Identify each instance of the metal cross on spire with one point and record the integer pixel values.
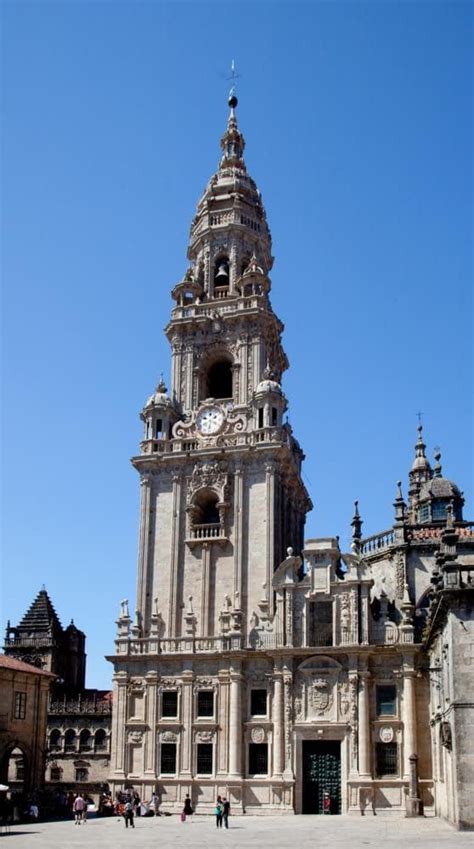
(233, 77)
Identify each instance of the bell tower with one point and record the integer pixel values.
(222, 495)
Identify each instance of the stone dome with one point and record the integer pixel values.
(268, 385)
(439, 487)
(160, 398)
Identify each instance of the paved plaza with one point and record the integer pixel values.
(303, 832)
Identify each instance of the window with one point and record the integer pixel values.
(54, 739)
(320, 623)
(258, 702)
(260, 417)
(100, 740)
(424, 513)
(20, 769)
(85, 740)
(20, 706)
(169, 706)
(386, 759)
(55, 773)
(70, 740)
(386, 700)
(258, 759)
(168, 758)
(204, 759)
(159, 428)
(274, 416)
(219, 380)
(439, 509)
(205, 703)
(82, 774)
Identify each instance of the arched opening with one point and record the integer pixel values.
(70, 740)
(85, 740)
(207, 511)
(221, 274)
(217, 381)
(54, 740)
(16, 768)
(100, 740)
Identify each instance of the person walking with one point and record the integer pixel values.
(128, 814)
(225, 811)
(218, 810)
(78, 808)
(188, 808)
(327, 803)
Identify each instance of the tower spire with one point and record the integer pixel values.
(420, 472)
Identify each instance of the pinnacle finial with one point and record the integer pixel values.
(161, 384)
(233, 101)
(437, 468)
(356, 525)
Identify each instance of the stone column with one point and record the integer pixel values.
(364, 725)
(205, 589)
(176, 370)
(409, 719)
(243, 396)
(143, 588)
(277, 718)
(119, 717)
(173, 614)
(185, 767)
(235, 722)
(270, 532)
(238, 535)
(365, 614)
(288, 711)
(189, 379)
(149, 759)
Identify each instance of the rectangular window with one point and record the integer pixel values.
(320, 623)
(169, 706)
(386, 759)
(274, 416)
(159, 428)
(258, 702)
(204, 758)
(260, 417)
(168, 758)
(258, 759)
(205, 703)
(386, 700)
(82, 774)
(20, 706)
(55, 773)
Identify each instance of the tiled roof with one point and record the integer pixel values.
(18, 666)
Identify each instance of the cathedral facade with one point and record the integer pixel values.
(277, 672)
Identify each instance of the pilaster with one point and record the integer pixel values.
(175, 546)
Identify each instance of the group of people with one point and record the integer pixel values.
(222, 811)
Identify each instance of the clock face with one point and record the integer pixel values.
(210, 420)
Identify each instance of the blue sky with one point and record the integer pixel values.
(357, 118)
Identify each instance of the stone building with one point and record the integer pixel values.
(23, 713)
(77, 737)
(257, 665)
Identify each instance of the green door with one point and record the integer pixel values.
(321, 774)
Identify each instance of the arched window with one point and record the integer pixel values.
(54, 739)
(85, 740)
(219, 380)
(100, 740)
(82, 774)
(70, 740)
(207, 511)
(221, 272)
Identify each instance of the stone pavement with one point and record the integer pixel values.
(304, 832)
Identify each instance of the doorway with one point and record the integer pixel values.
(321, 774)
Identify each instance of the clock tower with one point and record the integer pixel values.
(222, 500)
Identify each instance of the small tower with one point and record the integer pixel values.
(420, 473)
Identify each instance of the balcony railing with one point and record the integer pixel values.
(378, 542)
